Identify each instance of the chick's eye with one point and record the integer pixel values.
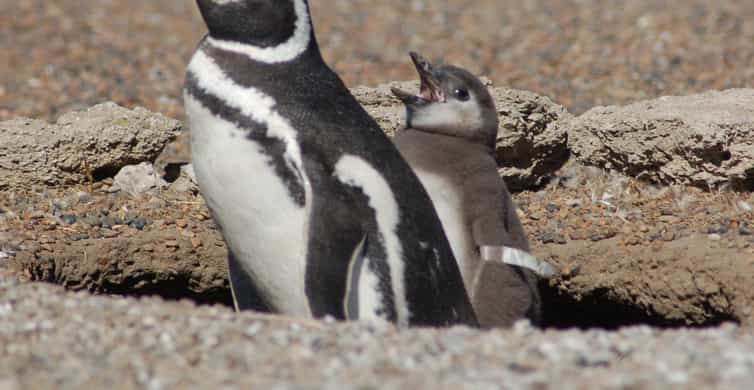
(461, 94)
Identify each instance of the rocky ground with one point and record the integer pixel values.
(50, 338)
(65, 55)
(676, 253)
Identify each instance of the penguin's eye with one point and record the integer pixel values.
(461, 94)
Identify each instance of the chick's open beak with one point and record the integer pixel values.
(429, 88)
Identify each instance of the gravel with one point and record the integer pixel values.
(51, 338)
(59, 55)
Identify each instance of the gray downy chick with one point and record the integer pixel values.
(449, 141)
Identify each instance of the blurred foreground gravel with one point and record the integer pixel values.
(50, 338)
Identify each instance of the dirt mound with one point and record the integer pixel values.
(630, 253)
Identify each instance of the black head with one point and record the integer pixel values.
(451, 101)
(262, 23)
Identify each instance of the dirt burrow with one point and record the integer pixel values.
(618, 269)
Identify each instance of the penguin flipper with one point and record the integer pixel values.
(245, 294)
(363, 299)
(353, 278)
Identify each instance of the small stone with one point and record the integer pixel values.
(139, 223)
(668, 236)
(60, 204)
(744, 231)
(602, 235)
(550, 237)
(551, 207)
(719, 229)
(181, 223)
(714, 237)
(573, 202)
(570, 271)
(84, 197)
(92, 220)
(536, 117)
(196, 242)
(68, 219)
(79, 236)
(108, 222)
(138, 179)
(171, 244)
(107, 233)
(667, 218)
(253, 329)
(155, 203)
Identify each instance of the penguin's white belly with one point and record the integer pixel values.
(262, 225)
(448, 201)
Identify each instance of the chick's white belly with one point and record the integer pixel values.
(261, 224)
(448, 202)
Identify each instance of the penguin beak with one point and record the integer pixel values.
(429, 88)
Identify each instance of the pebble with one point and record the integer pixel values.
(550, 237)
(84, 197)
(92, 220)
(139, 223)
(602, 235)
(714, 237)
(108, 233)
(667, 218)
(107, 222)
(68, 219)
(744, 206)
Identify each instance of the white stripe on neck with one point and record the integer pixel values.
(286, 51)
(250, 101)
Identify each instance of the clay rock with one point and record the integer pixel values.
(138, 179)
(705, 140)
(532, 141)
(82, 145)
(383, 106)
(186, 181)
(532, 138)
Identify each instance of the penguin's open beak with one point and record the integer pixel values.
(429, 88)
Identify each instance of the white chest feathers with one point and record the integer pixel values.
(448, 200)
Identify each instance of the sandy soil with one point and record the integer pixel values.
(642, 254)
(630, 253)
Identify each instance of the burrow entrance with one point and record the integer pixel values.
(598, 310)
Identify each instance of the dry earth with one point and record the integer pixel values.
(631, 253)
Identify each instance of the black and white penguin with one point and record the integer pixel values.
(320, 213)
(449, 141)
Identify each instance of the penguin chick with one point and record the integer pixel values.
(449, 142)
